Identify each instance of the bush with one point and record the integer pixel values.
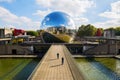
(32, 33)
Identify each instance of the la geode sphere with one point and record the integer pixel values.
(58, 28)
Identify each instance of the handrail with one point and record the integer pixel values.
(72, 65)
(30, 77)
(69, 66)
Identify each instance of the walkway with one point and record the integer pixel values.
(51, 68)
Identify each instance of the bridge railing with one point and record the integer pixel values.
(32, 74)
(72, 65)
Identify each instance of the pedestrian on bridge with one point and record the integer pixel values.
(57, 55)
(62, 59)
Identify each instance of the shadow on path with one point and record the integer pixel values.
(56, 65)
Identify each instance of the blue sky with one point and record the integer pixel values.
(28, 14)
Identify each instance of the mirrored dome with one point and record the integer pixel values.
(57, 19)
(61, 27)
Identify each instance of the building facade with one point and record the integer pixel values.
(5, 33)
(109, 33)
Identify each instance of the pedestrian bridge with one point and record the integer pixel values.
(51, 68)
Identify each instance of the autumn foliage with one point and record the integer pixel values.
(99, 32)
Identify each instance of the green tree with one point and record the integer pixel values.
(86, 30)
(40, 32)
(111, 28)
(117, 31)
(32, 33)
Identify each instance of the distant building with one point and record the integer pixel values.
(109, 33)
(51, 29)
(57, 30)
(5, 33)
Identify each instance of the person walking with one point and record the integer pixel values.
(62, 59)
(57, 55)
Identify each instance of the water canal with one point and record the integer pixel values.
(99, 68)
(91, 68)
(17, 68)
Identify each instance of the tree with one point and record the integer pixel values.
(32, 33)
(99, 32)
(117, 31)
(40, 32)
(86, 30)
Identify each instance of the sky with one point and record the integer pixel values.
(28, 14)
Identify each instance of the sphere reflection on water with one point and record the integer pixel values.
(60, 25)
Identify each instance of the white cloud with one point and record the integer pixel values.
(7, 26)
(25, 19)
(11, 19)
(42, 14)
(113, 16)
(7, 16)
(9, 1)
(107, 24)
(73, 7)
(114, 13)
(116, 7)
(81, 20)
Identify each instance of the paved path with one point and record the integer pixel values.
(51, 67)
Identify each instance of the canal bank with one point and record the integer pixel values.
(16, 68)
(99, 68)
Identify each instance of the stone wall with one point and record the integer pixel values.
(105, 49)
(9, 49)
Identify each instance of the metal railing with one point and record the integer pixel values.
(72, 65)
(32, 74)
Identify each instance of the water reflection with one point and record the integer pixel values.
(99, 68)
(118, 67)
(17, 68)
